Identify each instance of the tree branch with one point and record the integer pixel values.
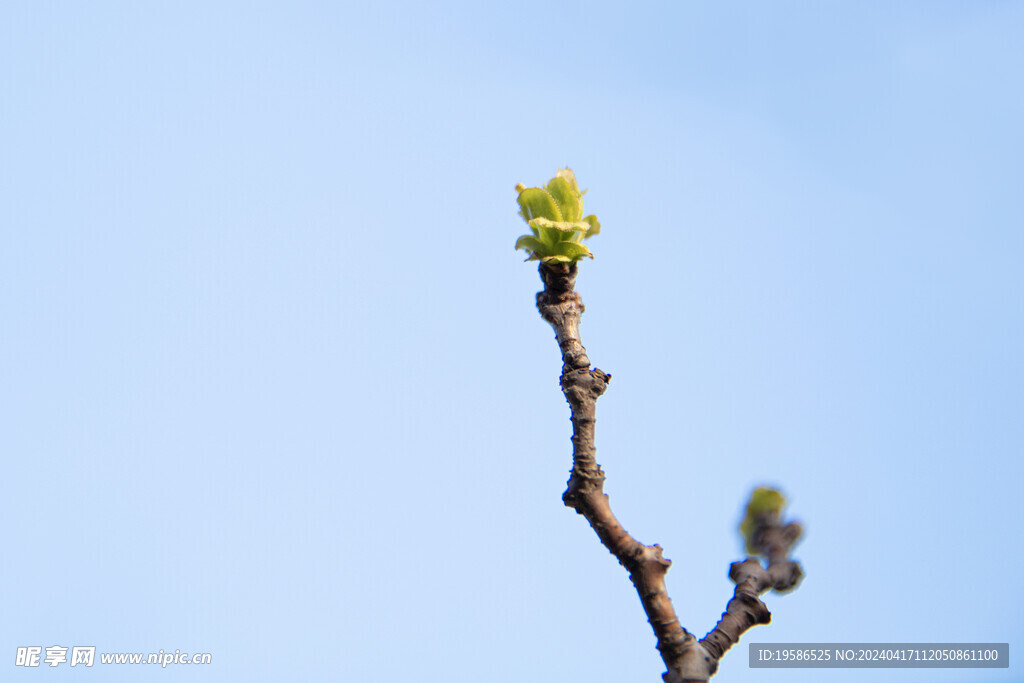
(746, 609)
(687, 659)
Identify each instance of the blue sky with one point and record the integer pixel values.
(273, 386)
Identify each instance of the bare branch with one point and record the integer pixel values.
(687, 659)
(562, 307)
(746, 609)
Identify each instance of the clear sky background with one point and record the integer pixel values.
(273, 386)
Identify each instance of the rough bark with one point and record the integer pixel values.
(687, 659)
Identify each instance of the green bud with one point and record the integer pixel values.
(555, 216)
(763, 501)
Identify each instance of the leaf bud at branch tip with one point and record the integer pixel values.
(554, 213)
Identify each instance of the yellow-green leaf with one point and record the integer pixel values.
(566, 252)
(564, 226)
(570, 177)
(535, 202)
(530, 243)
(567, 198)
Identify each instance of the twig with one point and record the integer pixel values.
(687, 659)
